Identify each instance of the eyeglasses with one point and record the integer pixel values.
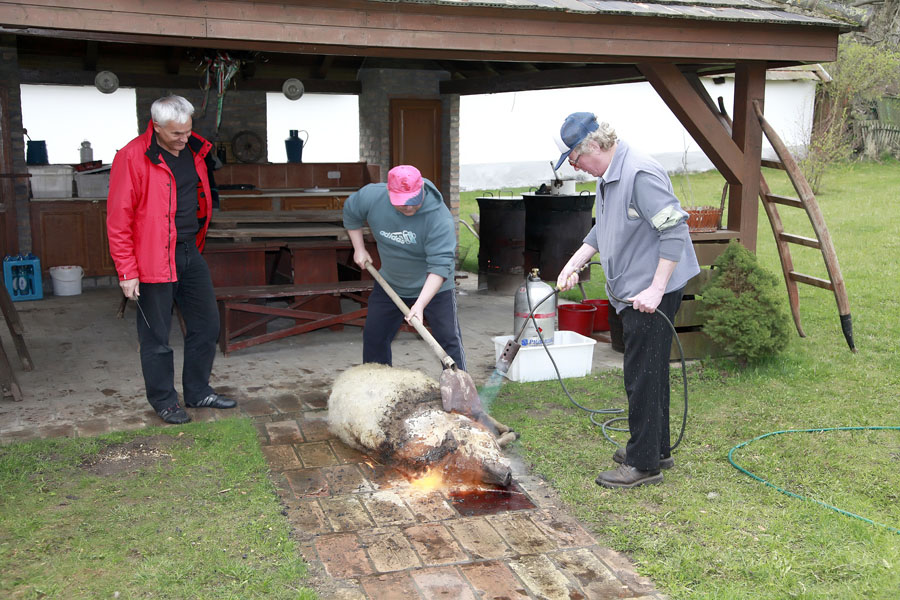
(574, 161)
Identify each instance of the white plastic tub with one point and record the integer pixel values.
(93, 184)
(51, 181)
(573, 353)
(66, 280)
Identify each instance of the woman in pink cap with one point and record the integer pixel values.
(416, 240)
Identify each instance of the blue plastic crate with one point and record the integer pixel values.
(22, 276)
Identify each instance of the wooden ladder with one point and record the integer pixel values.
(822, 241)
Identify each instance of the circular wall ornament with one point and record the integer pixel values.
(292, 88)
(247, 146)
(106, 81)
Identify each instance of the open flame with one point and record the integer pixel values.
(442, 477)
(429, 481)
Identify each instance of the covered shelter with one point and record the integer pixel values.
(409, 61)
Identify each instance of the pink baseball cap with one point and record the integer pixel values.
(405, 186)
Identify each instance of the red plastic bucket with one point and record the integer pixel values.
(601, 317)
(577, 317)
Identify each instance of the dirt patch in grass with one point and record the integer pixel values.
(542, 413)
(130, 457)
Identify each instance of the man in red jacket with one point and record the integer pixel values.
(158, 211)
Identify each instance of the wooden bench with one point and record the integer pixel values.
(245, 300)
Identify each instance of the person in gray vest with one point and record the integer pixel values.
(642, 238)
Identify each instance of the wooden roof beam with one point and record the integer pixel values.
(173, 60)
(91, 55)
(324, 66)
(541, 80)
(694, 113)
(451, 68)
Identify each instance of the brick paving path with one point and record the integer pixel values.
(369, 534)
(366, 532)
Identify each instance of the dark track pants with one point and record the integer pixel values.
(648, 342)
(384, 319)
(193, 292)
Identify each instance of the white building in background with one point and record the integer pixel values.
(506, 140)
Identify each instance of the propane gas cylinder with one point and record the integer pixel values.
(528, 295)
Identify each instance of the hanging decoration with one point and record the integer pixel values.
(218, 71)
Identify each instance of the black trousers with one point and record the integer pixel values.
(194, 294)
(648, 343)
(384, 319)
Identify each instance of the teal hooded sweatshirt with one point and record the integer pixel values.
(410, 247)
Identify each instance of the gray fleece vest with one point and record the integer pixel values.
(626, 240)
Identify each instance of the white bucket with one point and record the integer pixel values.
(66, 280)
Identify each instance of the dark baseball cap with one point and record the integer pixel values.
(574, 129)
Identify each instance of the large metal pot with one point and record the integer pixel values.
(555, 226)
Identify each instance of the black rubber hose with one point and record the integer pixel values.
(607, 425)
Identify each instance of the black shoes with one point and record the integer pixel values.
(174, 415)
(627, 477)
(214, 401)
(664, 462)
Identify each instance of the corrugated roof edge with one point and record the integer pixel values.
(816, 12)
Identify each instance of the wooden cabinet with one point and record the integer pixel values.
(71, 232)
(107, 266)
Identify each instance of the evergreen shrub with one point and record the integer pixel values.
(742, 310)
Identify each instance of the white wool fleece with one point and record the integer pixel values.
(361, 397)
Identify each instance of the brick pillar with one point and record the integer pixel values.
(378, 87)
(241, 111)
(9, 75)
(450, 150)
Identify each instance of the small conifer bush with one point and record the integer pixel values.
(742, 310)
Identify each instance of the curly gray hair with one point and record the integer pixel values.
(604, 136)
(171, 109)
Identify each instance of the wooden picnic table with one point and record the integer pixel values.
(225, 219)
(247, 226)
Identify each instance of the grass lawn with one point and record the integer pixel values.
(710, 531)
(185, 512)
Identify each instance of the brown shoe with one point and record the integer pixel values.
(664, 462)
(627, 477)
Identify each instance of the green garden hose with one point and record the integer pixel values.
(798, 496)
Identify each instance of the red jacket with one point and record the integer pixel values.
(140, 219)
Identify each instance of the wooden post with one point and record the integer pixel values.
(749, 85)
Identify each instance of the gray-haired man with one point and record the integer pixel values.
(158, 211)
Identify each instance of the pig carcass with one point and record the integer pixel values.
(396, 416)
